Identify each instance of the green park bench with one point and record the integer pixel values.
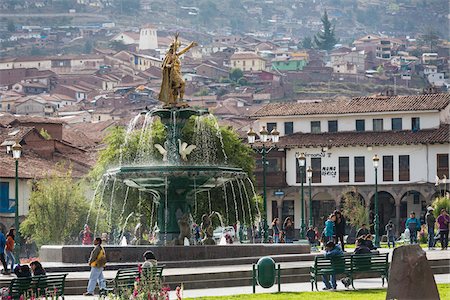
(370, 263)
(125, 279)
(327, 266)
(38, 286)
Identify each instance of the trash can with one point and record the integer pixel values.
(266, 272)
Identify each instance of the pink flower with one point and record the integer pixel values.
(140, 268)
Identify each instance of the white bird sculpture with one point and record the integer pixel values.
(162, 150)
(185, 150)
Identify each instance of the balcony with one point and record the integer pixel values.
(273, 179)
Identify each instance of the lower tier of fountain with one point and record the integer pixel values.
(120, 254)
(175, 188)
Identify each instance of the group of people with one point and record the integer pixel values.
(7, 251)
(284, 234)
(443, 224)
(334, 229)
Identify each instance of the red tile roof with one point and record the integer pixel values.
(369, 138)
(357, 105)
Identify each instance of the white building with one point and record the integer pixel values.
(148, 38)
(410, 135)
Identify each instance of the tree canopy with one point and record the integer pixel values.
(326, 38)
(58, 209)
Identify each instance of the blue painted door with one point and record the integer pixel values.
(4, 196)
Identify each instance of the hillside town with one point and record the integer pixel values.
(335, 96)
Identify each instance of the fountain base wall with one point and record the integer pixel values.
(117, 254)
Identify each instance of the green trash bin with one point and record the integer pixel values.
(264, 273)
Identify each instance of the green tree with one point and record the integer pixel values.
(35, 51)
(325, 39)
(236, 74)
(439, 203)
(58, 209)
(117, 45)
(354, 209)
(307, 43)
(11, 26)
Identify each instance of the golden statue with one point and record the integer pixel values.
(172, 86)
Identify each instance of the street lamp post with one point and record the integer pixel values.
(301, 163)
(264, 138)
(376, 161)
(17, 152)
(310, 172)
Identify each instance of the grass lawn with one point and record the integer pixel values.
(374, 294)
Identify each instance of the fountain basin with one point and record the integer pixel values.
(116, 254)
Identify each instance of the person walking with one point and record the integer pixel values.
(2, 253)
(276, 231)
(332, 250)
(329, 230)
(9, 249)
(97, 262)
(443, 220)
(390, 232)
(288, 228)
(413, 224)
(340, 229)
(430, 220)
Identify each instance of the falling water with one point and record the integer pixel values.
(255, 196)
(140, 216)
(151, 214)
(111, 204)
(209, 202)
(145, 147)
(242, 201)
(122, 232)
(93, 200)
(130, 128)
(195, 196)
(124, 205)
(100, 205)
(235, 202)
(249, 209)
(166, 209)
(219, 136)
(225, 198)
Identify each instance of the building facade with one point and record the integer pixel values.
(410, 135)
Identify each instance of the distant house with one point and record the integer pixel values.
(35, 106)
(436, 79)
(346, 61)
(248, 61)
(142, 62)
(211, 71)
(127, 38)
(289, 63)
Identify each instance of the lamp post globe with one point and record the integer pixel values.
(264, 135)
(251, 136)
(275, 135)
(376, 161)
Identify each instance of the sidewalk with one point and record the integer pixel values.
(360, 284)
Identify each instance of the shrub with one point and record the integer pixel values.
(440, 203)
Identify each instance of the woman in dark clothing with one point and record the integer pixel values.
(37, 268)
(340, 228)
(288, 229)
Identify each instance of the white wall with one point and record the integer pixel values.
(422, 162)
(348, 122)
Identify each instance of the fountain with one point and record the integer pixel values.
(173, 170)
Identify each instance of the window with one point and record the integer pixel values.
(377, 124)
(403, 167)
(388, 168)
(315, 126)
(344, 169)
(287, 211)
(360, 125)
(316, 165)
(442, 165)
(4, 196)
(274, 210)
(415, 124)
(332, 126)
(288, 128)
(271, 126)
(360, 169)
(396, 124)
